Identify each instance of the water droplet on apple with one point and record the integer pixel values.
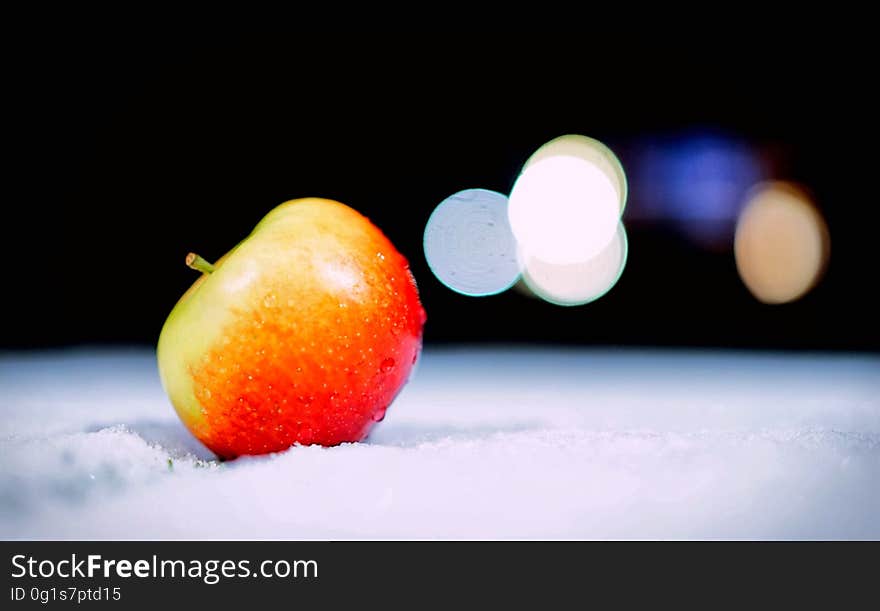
(379, 415)
(387, 365)
(270, 301)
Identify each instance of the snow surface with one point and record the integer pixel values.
(513, 443)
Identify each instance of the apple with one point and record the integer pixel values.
(305, 332)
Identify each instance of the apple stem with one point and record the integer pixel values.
(195, 262)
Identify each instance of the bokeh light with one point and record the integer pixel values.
(559, 236)
(696, 182)
(590, 150)
(469, 244)
(577, 283)
(523, 289)
(782, 243)
(563, 209)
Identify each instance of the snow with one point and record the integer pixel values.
(482, 444)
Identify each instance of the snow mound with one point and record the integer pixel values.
(482, 444)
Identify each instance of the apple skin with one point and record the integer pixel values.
(303, 333)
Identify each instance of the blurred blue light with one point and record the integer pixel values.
(697, 181)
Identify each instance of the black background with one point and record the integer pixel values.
(129, 150)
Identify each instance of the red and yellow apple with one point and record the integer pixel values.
(303, 333)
